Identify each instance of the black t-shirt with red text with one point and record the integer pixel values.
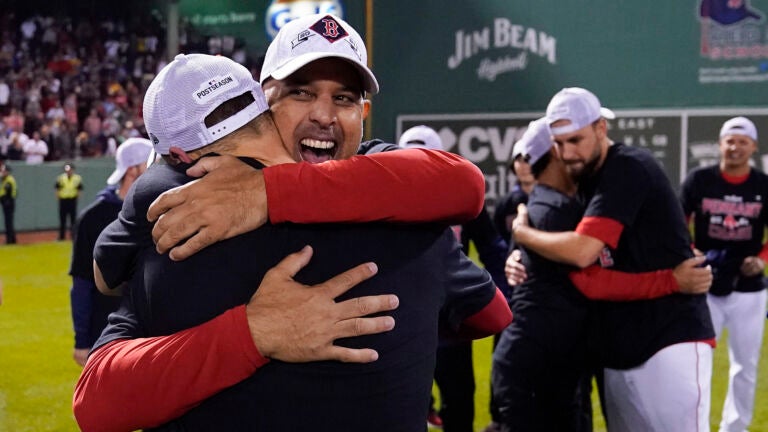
(729, 223)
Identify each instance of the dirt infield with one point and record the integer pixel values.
(29, 237)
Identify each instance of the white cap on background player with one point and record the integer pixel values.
(133, 151)
(535, 142)
(188, 89)
(739, 126)
(577, 105)
(421, 137)
(314, 37)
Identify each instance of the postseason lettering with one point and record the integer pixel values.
(213, 85)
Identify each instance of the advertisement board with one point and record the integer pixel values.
(680, 140)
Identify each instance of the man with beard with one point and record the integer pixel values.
(656, 350)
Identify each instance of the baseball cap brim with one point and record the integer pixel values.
(284, 71)
(116, 176)
(606, 113)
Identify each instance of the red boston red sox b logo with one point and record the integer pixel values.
(330, 29)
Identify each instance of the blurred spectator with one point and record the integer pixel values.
(57, 70)
(70, 109)
(65, 142)
(35, 149)
(15, 149)
(56, 112)
(92, 127)
(46, 135)
(129, 131)
(5, 96)
(14, 122)
(82, 145)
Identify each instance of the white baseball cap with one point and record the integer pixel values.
(422, 137)
(313, 37)
(189, 88)
(580, 106)
(535, 142)
(739, 126)
(133, 151)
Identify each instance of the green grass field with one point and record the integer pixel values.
(37, 373)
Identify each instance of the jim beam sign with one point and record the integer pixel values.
(500, 48)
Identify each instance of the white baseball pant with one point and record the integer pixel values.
(743, 314)
(670, 392)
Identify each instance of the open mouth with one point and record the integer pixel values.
(316, 151)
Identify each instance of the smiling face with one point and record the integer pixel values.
(319, 110)
(735, 152)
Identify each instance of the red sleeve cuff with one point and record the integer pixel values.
(604, 229)
(490, 320)
(131, 384)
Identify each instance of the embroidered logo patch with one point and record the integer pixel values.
(330, 29)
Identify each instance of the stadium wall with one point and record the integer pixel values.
(36, 204)
(478, 72)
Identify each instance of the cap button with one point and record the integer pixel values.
(182, 58)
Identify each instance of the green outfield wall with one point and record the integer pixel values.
(478, 71)
(36, 204)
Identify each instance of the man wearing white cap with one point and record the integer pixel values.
(209, 290)
(300, 78)
(656, 352)
(89, 307)
(550, 332)
(730, 218)
(540, 359)
(421, 136)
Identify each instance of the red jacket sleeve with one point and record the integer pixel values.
(490, 320)
(410, 185)
(597, 283)
(604, 229)
(130, 384)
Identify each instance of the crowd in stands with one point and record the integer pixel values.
(73, 87)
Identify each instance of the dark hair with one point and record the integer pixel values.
(512, 163)
(229, 108)
(224, 111)
(541, 164)
(536, 168)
